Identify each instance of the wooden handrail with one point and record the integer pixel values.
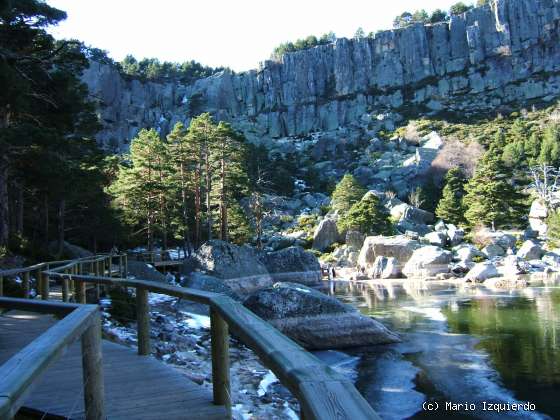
(321, 391)
(18, 374)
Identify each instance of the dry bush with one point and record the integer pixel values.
(456, 153)
(479, 236)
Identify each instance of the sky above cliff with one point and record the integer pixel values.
(237, 34)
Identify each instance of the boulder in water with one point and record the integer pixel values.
(384, 268)
(292, 264)
(530, 250)
(398, 247)
(482, 271)
(427, 261)
(315, 320)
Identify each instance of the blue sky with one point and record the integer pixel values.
(234, 33)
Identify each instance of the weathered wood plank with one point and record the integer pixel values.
(143, 321)
(220, 360)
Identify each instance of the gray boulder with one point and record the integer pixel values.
(315, 320)
(69, 250)
(427, 261)
(384, 268)
(325, 234)
(481, 272)
(512, 265)
(417, 216)
(292, 264)
(208, 283)
(455, 235)
(493, 250)
(143, 271)
(537, 217)
(530, 250)
(552, 259)
(436, 238)
(398, 247)
(466, 252)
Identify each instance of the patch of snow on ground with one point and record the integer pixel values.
(155, 298)
(197, 321)
(239, 412)
(290, 413)
(266, 381)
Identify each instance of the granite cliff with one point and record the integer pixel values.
(500, 56)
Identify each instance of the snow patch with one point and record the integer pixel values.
(266, 381)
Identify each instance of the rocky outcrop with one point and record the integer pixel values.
(325, 234)
(208, 283)
(238, 266)
(489, 58)
(315, 320)
(292, 264)
(530, 250)
(537, 217)
(427, 261)
(385, 268)
(400, 248)
(143, 271)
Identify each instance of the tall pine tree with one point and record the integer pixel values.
(450, 207)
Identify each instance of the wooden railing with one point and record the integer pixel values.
(321, 391)
(18, 374)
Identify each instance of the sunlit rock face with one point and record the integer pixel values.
(489, 58)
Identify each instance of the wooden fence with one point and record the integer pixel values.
(322, 392)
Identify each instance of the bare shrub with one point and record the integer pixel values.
(456, 154)
(480, 237)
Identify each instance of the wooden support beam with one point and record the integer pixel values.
(143, 321)
(46, 286)
(1, 286)
(92, 365)
(220, 360)
(65, 288)
(25, 285)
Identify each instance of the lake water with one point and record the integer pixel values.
(470, 346)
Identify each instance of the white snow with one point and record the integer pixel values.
(197, 321)
(266, 381)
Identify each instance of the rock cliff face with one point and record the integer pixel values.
(491, 57)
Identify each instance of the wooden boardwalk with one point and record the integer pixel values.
(136, 387)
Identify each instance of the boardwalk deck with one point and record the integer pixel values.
(136, 387)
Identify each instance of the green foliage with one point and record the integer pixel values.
(346, 193)
(419, 16)
(153, 70)
(459, 8)
(553, 232)
(550, 147)
(303, 44)
(240, 231)
(366, 216)
(492, 199)
(450, 207)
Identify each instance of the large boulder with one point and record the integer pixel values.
(69, 250)
(325, 234)
(398, 247)
(530, 250)
(500, 238)
(417, 216)
(512, 265)
(315, 320)
(238, 265)
(493, 251)
(355, 239)
(481, 272)
(384, 268)
(201, 281)
(436, 238)
(292, 264)
(144, 271)
(455, 235)
(537, 217)
(427, 261)
(467, 252)
(552, 259)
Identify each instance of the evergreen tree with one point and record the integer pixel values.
(346, 193)
(553, 232)
(450, 207)
(550, 147)
(239, 228)
(491, 197)
(532, 148)
(366, 216)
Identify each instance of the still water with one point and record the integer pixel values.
(472, 346)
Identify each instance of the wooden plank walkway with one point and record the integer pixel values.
(136, 387)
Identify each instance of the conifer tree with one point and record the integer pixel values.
(550, 147)
(450, 207)
(366, 216)
(492, 199)
(346, 193)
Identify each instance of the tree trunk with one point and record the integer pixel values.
(4, 207)
(184, 209)
(61, 215)
(46, 210)
(208, 191)
(197, 205)
(223, 204)
(19, 214)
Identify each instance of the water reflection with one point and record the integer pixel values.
(472, 344)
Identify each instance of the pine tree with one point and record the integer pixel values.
(533, 148)
(491, 197)
(366, 216)
(553, 231)
(550, 147)
(346, 193)
(450, 207)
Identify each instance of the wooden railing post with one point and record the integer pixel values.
(121, 272)
(39, 282)
(1, 286)
(26, 285)
(125, 266)
(220, 360)
(92, 365)
(46, 286)
(143, 321)
(65, 287)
